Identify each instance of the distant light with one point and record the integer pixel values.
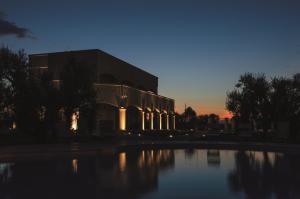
(171, 136)
(203, 135)
(139, 135)
(186, 134)
(129, 133)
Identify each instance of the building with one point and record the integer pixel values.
(127, 97)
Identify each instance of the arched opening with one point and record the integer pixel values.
(133, 118)
(164, 120)
(148, 119)
(106, 118)
(156, 120)
(172, 121)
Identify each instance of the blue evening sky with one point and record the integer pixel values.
(198, 49)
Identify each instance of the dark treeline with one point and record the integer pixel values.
(31, 103)
(34, 105)
(189, 120)
(268, 106)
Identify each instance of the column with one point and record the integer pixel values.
(122, 119)
(174, 119)
(151, 120)
(160, 121)
(167, 121)
(142, 120)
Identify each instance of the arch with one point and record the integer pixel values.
(106, 118)
(156, 119)
(148, 119)
(133, 118)
(164, 120)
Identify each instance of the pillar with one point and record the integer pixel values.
(151, 120)
(142, 120)
(167, 121)
(122, 119)
(160, 122)
(174, 125)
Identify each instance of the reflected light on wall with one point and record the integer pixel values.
(14, 126)
(75, 166)
(122, 119)
(143, 120)
(122, 161)
(160, 121)
(74, 121)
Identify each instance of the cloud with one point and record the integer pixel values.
(10, 28)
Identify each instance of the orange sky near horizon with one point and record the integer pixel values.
(202, 109)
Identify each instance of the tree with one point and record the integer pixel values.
(77, 89)
(190, 117)
(18, 89)
(50, 103)
(250, 100)
(282, 99)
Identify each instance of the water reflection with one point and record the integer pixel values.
(156, 173)
(127, 174)
(5, 172)
(266, 175)
(213, 158)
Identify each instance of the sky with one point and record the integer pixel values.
(197, 49)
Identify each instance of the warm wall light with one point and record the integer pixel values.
(174, 124)
(122, 119)
(160, 121)
(143, 120)
(167, 124)
(74, 121)
(151, 120)
(122, 161)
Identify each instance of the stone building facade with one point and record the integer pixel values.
(127, 97)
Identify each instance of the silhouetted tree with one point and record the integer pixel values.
(18, 89)
(213, 118)
(50, 103)
(251, 99)
(190, 117)
(203, 122)
(77, 88)
(263, 176)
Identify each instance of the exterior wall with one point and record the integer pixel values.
(124, 96)
(128, 86)
(144, 110)
(104, 64)
(126, 73)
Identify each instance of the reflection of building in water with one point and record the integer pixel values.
(122, 161)
(5, 171)
(213, 158)
(75, 166)
(135, 173)
(265, 175)
(128, 174)
(260, 156)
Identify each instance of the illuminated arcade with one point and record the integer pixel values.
(127, 97)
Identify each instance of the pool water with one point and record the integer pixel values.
(157, 173)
